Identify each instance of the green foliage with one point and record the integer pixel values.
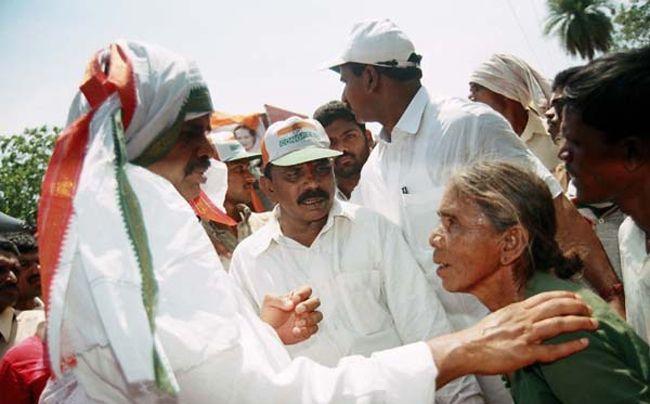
(583, 26)
(632, 22)
(23, 160)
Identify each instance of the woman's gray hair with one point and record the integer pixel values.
(509, 195)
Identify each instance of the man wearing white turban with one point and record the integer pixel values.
(138, 307)
(521, 94)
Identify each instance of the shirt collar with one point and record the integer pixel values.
(273, 232)
(6, 322)
(410, 120)
(533, 126)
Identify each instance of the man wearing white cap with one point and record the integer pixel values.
(423, 141)
(227, 234)
(521, 94)
(374, 295)
(140, 310)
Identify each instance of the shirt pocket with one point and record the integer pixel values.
(419, 219)
(359, 296)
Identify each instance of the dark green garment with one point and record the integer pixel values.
(615, 368)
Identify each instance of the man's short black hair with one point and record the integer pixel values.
(25, 242)
(395, 73)
(563, 77)
(7, 246)
(335, 110)
(612, 93)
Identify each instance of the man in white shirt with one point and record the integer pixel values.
(141, 310)
(521, 94)
(424, 140)
(373, 293)
(607, 154)
(350, 138)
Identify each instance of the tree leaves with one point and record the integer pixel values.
(632, 25)
(583, 26)
(23, 160)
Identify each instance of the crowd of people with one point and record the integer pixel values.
(490, 250)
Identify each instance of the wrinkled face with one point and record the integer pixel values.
(186, 163)
(240, 182)
(305, 191)
(466, 244)
(245, 138)
(348, 138)
(29, 278)
(554, 114)
(355, 94)
(8, 282)
(478, 93)
(597, 173)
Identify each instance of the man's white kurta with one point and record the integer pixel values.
(405, 176)
(217, 347)
(635, 265)
(374, 295)
(539, 142)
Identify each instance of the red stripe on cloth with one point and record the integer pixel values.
(62, 176)
(206, 210)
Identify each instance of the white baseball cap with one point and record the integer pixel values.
(228, 148)
(295, 141)
(379, 43)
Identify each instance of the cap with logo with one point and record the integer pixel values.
(295, 141)
(379, 43)
(228, 148)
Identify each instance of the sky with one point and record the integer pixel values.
(253, 52)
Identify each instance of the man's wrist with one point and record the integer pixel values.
(613, 292)
(451, 355)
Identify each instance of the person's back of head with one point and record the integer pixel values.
(562, 78)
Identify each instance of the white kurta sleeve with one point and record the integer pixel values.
(244, 375)
(416, 310)
(492, 137)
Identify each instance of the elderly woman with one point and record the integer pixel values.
(497, 241)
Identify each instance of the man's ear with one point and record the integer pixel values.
(635, 152)
(369, 140)
(514, 242)
(266, 185)
(370, 79)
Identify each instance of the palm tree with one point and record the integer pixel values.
(584, 27)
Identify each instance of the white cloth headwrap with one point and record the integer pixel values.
(98, 233)
(515, 79)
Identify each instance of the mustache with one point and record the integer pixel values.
(313, 193)
(345, 153)
(201, 163)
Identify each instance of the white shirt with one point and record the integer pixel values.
(406, 172)
(218, 348)
(539, 141)
(373, 294)
(635, 264)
